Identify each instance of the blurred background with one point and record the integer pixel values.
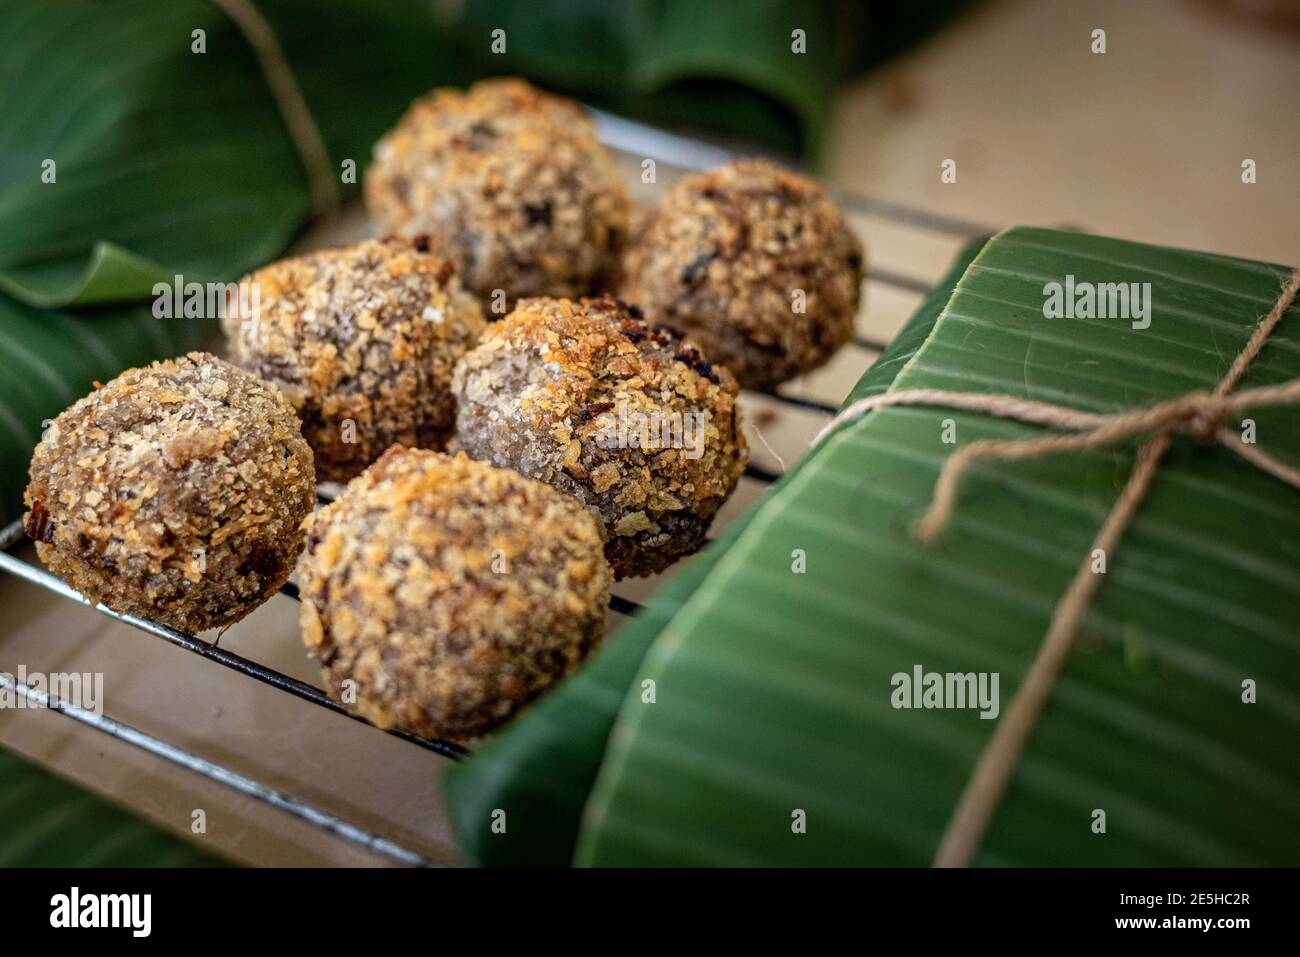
(191, 172)
(1145, 140)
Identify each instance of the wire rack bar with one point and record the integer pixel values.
(620, 133)
(624, 606)
(802, 403)
(219, 773)
(16, 566)
(28, 572)
(898, 280)
(11, 534)
(760, 474)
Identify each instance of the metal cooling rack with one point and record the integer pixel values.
(625, 136)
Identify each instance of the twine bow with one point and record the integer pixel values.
(1201, 414)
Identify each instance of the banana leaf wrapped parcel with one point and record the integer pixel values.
(824, 687)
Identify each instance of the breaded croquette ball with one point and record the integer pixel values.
(362, 340)
(452, 593)
(174, 493)
(753, 262)
(630, 420)
(509, 183)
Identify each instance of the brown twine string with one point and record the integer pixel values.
(293, 107)
(1200, 413)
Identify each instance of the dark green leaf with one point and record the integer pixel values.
(172, 162)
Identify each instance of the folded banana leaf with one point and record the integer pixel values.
(779, 733)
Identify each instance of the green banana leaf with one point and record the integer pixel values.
(46, 821)
(541, 769)
(774, 688)
(169, 161)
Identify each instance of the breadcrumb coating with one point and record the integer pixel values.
(509, 183)
(452, 593)
(362, 340)
(727, 256)
(586, 397)
(175, 493)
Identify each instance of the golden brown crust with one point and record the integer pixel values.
(722, 256)
(174, 492)
(545, 391)
(451, 593)
(362, 341)
(509, 183)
